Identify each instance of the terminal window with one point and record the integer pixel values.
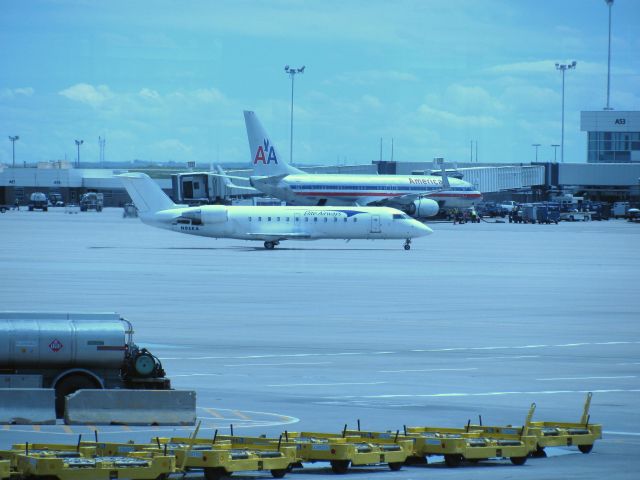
(612, 147)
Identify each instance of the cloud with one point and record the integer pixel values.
(173, 146)
(147, 93)
(371, 102)
(88, 94)
(12, 93)
(456, 120)
(368, 77)
(548, 66)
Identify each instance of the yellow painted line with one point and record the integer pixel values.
(91, 428)
(126, 428)
(6, 427)
(213, 412)
(67, 429)
(241, 415)
(36, 428)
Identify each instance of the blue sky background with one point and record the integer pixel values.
(167, 80)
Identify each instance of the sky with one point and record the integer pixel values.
(167, 80)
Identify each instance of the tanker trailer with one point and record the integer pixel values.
(74, 351)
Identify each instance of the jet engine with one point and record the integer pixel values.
(423, 208)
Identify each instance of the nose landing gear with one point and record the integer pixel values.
(270, 245)
(407, 244)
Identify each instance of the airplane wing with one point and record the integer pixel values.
(229, 184)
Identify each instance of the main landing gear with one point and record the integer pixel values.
(270, 245)
(407, 244)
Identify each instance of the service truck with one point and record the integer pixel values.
(74, 351)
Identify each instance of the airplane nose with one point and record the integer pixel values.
(421, 229)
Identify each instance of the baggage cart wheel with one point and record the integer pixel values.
(395, 466)
(518, 460)
(417, 460)
(340, 466)
(214, 473)
(585, 448)
(278, 472)
(452, 460)
(539, 452)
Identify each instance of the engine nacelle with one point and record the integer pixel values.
(423, 208)
(214, 214)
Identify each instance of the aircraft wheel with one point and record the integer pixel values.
(269, 245)
(407, 246)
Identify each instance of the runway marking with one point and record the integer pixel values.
(630, 434)
(126, 428)
(6, 427)
(583, 378)
(276, 364)
(198, 375)
(420, 350)
(481, 394)
(36, 428)
(326, 384)
(241, 415)
(629, 363)
(506, 357)
(429, 370)
(213, 412)
(67, 429)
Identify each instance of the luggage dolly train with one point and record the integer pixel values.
(224, 455)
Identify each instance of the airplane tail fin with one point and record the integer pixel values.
(265, 159)
(146, 194)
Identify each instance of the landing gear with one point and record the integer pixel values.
(270, 245)
(407, 244)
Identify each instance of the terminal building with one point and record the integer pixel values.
(612, 136)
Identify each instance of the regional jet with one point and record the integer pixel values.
(270, 224)
(420, 196)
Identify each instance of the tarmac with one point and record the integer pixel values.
(476, 319)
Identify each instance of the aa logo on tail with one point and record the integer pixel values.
(265, 155)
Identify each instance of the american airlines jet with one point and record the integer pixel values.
(420, 196)
(269, 224)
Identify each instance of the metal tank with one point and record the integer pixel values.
(54, 340)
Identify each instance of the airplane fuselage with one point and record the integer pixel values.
(347, 189)
(296, 223)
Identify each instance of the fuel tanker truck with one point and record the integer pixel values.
(72, 351)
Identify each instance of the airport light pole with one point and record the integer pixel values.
(292, 72)
(536, 145)
(563, 68)
(610, 4)
(13, 148)
(555, 151)
(78, 143)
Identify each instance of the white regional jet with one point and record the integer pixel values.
(420, 196)
(269, 224)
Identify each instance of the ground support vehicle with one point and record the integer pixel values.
(580, 434)
(220, 457)
(633, 215)
(71, 208)
(5, 469)
(44, 466)
(342, 450)
(575, 216)
(92, 201)
(129, 211)
(74, 351)
(38, 201)
(548, 213)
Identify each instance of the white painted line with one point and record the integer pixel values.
(583, 378)
(275, 364)
(198, 375)
(429, 370)
(481, 394)
(506, 357)
(630, 434)
(326, 384)
(431, 350)
(629, 363)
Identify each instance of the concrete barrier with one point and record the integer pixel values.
(131, 407)
(25, 406)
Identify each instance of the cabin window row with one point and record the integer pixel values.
(306, 219)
